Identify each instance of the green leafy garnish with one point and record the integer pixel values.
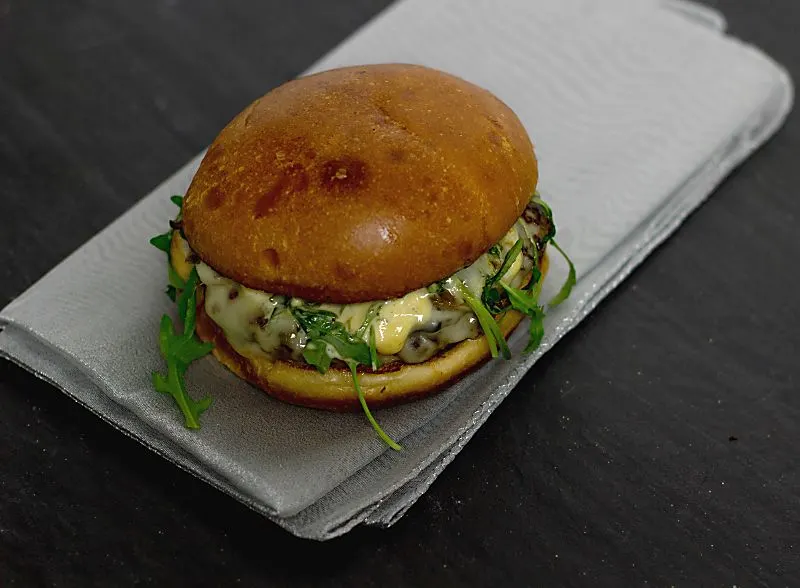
(538, 200)
(434, 288)
(373, 311)
(316, 353)
(323, 329)
(321, 325)
(494, 336)
(526, 302)
(386, 439)
(491, 295)
(566, 289)
(368, 318)
(545, 209)
(536, 330)
(162, 241)
(373, 350)
(179, 350)
(508, 261)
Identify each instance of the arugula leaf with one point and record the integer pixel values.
(566, 289)
(323, 329)
(508, 261)
(322, 325)
(386, 439)
(313, 320)
(316, 353)
(374, 360)
(544, 210)
(544, 206)
(535, 282)
(534, 286)
(368, 318)
(490, 328)
(435, 288)
(175, 382)
(536, 273)
(162, 241)
(180, 350)
(526, 302)
(373, 311)
(536, 330)
(490, 295)
(185, 309)
(492, 300)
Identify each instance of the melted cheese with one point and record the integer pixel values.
(506, 244)
(257, 323)
(352, 316)
(474, 276)
(237, 310)
(399, 318)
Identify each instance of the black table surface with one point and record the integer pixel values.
(657, 443)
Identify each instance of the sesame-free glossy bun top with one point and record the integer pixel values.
(358, 184)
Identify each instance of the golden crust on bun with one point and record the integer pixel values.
(360, 183)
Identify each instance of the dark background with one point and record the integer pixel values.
(658, 443)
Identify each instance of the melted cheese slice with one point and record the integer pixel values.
(399, 318)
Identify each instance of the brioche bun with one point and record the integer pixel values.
(361, 183)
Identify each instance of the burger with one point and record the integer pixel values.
(358, 238)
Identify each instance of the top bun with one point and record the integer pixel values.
(358, 184)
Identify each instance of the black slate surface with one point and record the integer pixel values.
(657, 444)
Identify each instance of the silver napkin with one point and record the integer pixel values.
(638, 109)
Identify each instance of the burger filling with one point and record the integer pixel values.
(410, 329)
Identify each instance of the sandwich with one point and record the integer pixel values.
(358, 238)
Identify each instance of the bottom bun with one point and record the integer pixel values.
(301, 384)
